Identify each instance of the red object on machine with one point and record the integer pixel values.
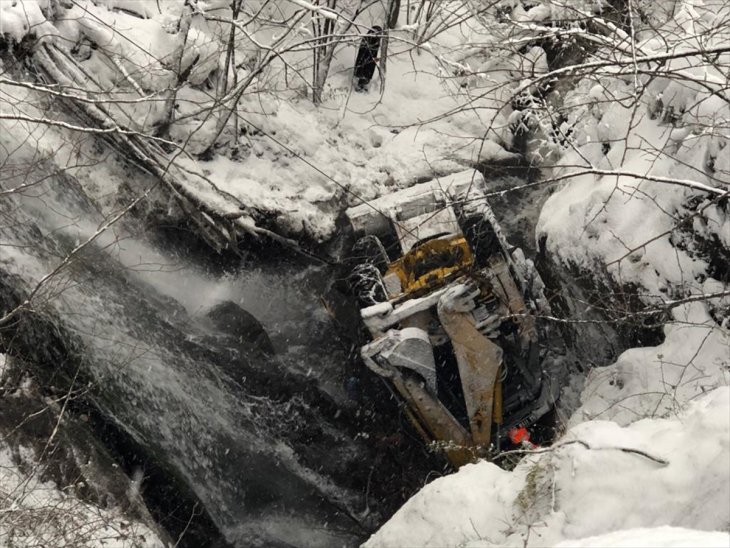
(520, 436)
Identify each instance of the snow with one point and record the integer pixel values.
(571, 492)
(302, 164)
(656, 381)
(625, 222)
(36, 513)
(17, 19)
(483, 494)
(666, 537)
(353, 147)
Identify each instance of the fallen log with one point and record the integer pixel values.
(222, 219)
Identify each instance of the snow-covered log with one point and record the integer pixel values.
(221, 217)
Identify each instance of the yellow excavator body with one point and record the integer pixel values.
(428, 266)
(457, 287)
(431, 264)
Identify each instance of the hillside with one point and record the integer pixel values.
(602, 132)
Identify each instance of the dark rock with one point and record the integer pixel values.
(233, 320)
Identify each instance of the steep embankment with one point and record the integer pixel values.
(628, 238)
(641, 227)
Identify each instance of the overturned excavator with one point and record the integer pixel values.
(451, 312)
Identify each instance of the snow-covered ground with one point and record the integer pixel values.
(646, 458)
(600, 478)
(35, 512)
(298, 162)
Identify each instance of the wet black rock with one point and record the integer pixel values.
(233, 320)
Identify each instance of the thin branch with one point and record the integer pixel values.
(630, 450)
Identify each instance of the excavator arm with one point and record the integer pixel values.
(477, 357)
(405, 357)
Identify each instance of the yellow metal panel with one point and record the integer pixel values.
(431, 263)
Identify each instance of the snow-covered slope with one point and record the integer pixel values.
(674, 537)
(646, 461)
(643, 204)
(600, 478)
(297, 162)
(37, 513)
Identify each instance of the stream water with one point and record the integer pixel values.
(266, 443)
(272, 446)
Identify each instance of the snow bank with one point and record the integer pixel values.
(666, 537)
(665, 145)
(17, 19)
(626, 222)
(37, 513)
(656, 381)
(573, 492)
(449, 511)
(297, 162)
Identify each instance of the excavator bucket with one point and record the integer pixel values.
(405, 358)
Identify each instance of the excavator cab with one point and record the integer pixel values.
(449, 291)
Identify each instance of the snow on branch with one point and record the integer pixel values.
(688, 183)
(630, 450)
(325, 12)
(83, 129)
(631, 62)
